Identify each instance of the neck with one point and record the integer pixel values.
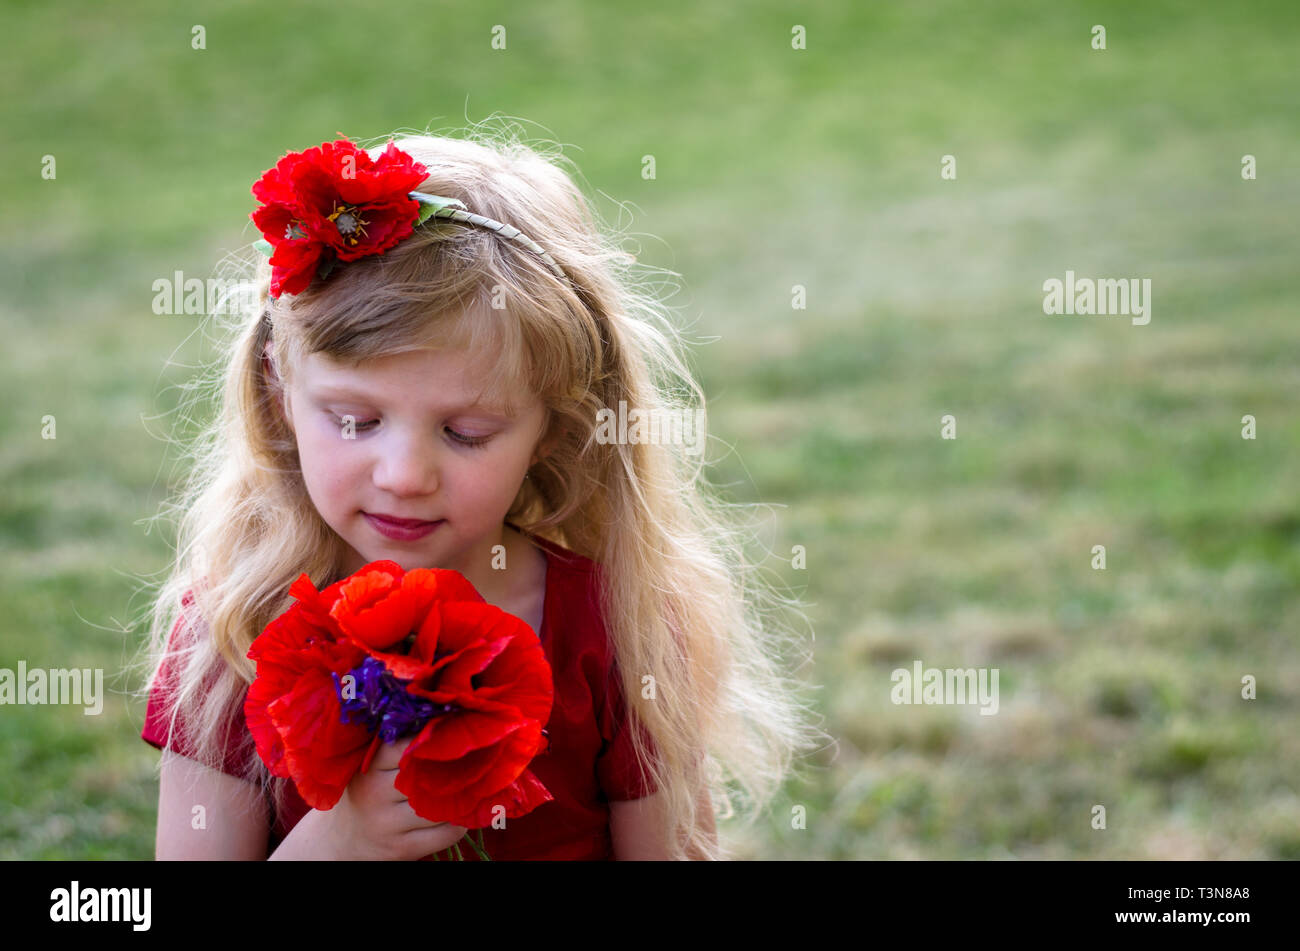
(476, 565)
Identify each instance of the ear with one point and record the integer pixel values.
(545, 446)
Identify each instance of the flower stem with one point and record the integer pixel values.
(478, 846)
(459, 857)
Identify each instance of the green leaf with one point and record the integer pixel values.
(326, 266)
(264, 246)
(430, 205)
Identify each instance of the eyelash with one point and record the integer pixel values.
(469, 442)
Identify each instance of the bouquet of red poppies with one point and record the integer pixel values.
(385, 654)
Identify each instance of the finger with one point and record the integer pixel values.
(411, 822)
(389, 755)
(430, 840)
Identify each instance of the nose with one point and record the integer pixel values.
(407, 466)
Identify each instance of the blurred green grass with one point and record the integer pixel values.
(774, 168)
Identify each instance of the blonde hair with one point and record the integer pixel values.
(682, 602)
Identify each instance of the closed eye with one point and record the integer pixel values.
(470, 442)
(359, 426)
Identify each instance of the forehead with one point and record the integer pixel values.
(424, 378)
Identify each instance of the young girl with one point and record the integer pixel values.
(431, 390)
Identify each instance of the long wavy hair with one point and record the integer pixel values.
(683, 601)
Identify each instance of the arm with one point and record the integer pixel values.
(235, 819)
(372, 820)
(638, 828)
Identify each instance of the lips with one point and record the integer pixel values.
(402, 522)
(404, 530)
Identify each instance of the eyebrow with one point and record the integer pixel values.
(344, 390)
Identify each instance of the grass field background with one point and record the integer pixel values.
(775, 167)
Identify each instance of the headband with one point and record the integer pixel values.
(333, 203)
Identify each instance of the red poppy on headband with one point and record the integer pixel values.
(385, 654)
(334, 203)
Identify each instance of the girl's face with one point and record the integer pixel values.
(423, 449)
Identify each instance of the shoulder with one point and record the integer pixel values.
(569, 560)
(187, 663)
(182, 641)
(189, 621)
(575, 600)
(570, 574)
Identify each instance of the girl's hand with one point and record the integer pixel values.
(373, 821)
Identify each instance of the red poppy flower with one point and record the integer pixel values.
(489, 666)
(334, 203)
(430, 657)
(295, 656)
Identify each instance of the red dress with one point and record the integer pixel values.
(590, 760)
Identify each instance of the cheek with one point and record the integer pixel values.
(330, 465)
(489, 482)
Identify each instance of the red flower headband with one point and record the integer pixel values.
(333, 203)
